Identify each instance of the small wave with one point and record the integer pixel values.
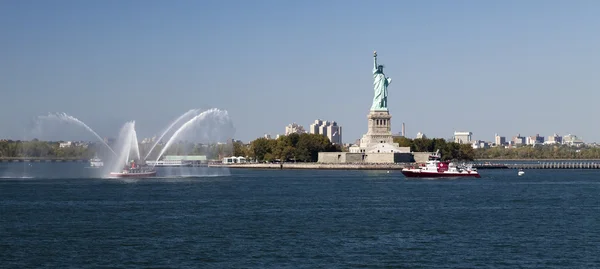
(18, 177)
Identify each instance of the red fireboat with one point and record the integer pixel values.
(435, 168)
(134, 170)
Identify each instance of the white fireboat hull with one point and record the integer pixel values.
(432, 174)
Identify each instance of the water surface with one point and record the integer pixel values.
(65, 216)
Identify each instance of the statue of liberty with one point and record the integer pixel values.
(380, 84)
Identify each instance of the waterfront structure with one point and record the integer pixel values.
(330, 129)
(377, 145)
(294, 128)
(234, 159)
(179, 160)
(463, 137)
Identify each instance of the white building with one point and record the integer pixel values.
(294, 129)
(463, 137)
(421, 135)
(572, 140)
(327, 128)
(479, 144)
(234, 159)
(65, 144)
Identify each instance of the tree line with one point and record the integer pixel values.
(297, 147)
(293, 147)
(43, 149)
(539, 152)
(448, 150)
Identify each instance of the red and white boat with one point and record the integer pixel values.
(135, 171)
(435, 168)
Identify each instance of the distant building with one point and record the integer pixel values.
(148, 140)
(553, 139)
(65, 144)
(499, 140)
(572, 140)
(294, 129)
(534, 140)
(234, 159)
(479, 144)
(518, 140)
(109, 141)
(421, 135)
(327, 128)
(267, 136)
(403, 130)
(463, 137)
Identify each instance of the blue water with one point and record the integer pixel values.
(298, 219)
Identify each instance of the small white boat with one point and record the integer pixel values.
(521, 172)
(96, 162)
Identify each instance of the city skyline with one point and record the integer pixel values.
(487, 67)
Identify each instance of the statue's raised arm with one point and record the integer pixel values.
(374, 61)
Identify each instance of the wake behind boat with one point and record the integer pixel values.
(435, 168)
(135, 171)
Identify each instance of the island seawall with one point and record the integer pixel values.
(336, 166)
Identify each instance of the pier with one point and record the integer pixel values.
(541, 165)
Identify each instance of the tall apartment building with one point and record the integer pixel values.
(499, 140)
(463, 137)
(327, 128)
(554, 139)
(294, 129)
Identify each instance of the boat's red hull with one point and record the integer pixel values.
(420, 174)
(134, 175)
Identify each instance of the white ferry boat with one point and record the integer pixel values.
(169, 163)
(96, 162)
(436, 168)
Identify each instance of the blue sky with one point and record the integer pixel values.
(488, 67)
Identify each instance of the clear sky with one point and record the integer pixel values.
(487, 67)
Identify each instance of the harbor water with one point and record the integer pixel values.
(63, 215)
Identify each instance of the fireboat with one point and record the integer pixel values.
(435, 168)
(134, 170)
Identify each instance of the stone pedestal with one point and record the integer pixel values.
(379, 129)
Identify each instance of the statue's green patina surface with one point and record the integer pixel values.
(380, 84)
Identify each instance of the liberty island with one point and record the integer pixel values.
(377, 145)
